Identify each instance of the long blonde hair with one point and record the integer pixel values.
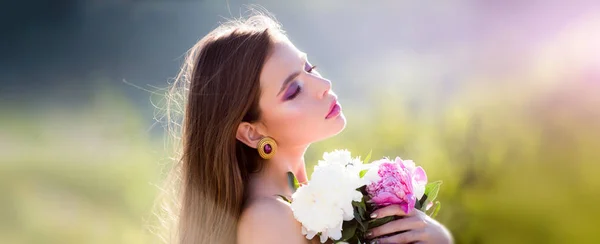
(217, 89)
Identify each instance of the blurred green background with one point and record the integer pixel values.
(499, 99)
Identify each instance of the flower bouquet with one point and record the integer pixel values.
(337, 202)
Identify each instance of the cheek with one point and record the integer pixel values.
(297, 123)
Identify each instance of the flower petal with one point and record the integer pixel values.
(420, 176)
(310, 234)
(335, 233)
(323, 238)
(404, 207)
(409, 164)
(419, 182)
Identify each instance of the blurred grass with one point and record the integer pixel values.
(518, 169)
(82, 175)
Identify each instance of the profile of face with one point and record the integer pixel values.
(297, 104)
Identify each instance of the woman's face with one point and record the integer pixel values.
(297, 105)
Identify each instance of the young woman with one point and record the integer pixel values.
(253, 103)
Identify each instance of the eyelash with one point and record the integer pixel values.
(295, 94)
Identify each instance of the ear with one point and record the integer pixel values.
(248, 134)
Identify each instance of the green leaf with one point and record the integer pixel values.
(436, 208)
(348, 230)
(353, 239)
(363, 172)
(379, 222)
(285, 198)
(367, 158)
(292, 181)
(359, 219)
(361, 207)
(432, 189)
(431, 192)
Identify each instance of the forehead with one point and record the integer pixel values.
(283, 60)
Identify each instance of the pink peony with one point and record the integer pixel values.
(396, 182)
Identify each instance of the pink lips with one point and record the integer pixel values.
(334, 110)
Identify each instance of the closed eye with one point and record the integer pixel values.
(294, 88)
(292, 91)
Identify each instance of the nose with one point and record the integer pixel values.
(324, 87)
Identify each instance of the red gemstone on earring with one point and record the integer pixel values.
(268, 149)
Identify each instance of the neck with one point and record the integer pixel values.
(272, 179)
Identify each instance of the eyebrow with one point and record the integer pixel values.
(292, 76)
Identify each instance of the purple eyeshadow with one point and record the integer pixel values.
(292, 89)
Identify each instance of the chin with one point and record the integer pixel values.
(339, 124)
(336, 125)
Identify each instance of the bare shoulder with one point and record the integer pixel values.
(269, 220)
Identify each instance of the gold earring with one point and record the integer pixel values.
(267, 147)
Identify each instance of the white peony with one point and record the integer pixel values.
(326, 201)
(353, 166)
(372, 174)
(336, 156)
(343, 157)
